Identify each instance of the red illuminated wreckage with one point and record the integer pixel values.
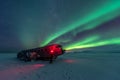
(50, 53)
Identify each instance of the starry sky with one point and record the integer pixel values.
(75, 24)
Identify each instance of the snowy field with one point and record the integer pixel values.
(70, 66)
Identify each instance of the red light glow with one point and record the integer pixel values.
(54, 49)
(69, 61)
(51, 51)
(38, 65)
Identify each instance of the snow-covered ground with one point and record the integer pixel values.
(70, 66)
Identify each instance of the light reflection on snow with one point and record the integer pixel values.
(69, 61)
(18, 71)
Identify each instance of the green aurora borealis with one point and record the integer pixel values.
(75, 24)
(107, 11)
(104, 12)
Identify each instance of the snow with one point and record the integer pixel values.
(70, 66)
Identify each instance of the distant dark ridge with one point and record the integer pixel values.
(99, 51)
(9, 52)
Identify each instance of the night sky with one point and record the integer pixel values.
(72, 23)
